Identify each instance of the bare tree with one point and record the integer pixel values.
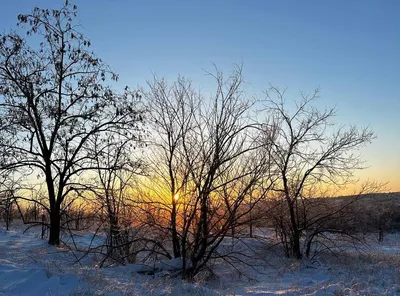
(113, 185)
(54, 100)
(207, 163)
(377, 214)
(308, 154)
(9, 185)
(173, 110)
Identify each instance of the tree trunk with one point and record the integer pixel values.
(114, 225)
(54, 238)
(55, 204)
(380, 238)
(188, 274)
(296, 252)
(8, 211)
(295, 233)
(175, 238)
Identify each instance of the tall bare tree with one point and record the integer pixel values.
(309, 153)
(207, 161)
(53, 100)
(172, 116)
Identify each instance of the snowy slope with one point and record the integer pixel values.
(28, 266)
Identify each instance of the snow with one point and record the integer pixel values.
(29, 266)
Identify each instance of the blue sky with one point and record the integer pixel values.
(350, 49)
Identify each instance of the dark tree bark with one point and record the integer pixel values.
(207, 160)
(54, 101)
(308, 155)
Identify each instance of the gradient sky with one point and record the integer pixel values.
(350, 49)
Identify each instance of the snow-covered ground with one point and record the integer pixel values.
(29, 266)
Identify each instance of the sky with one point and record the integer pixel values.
(349, 49)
